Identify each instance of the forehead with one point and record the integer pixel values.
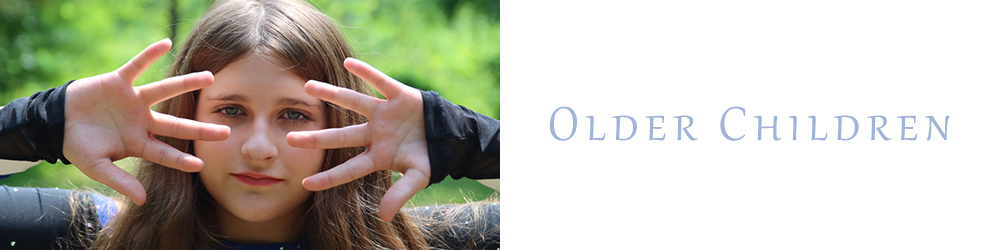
(257, 78)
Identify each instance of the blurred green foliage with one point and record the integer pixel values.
(449, 46)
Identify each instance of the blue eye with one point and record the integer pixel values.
(230, 111)
(294, 115)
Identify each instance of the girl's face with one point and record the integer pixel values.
(254, 175)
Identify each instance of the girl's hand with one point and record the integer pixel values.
(107, 119)
(394, 135)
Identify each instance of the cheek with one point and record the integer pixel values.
(304, 162)
(212, 150)
(216, 155)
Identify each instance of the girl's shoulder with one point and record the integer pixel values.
(461, 226)
(40, 218)
(105, 208)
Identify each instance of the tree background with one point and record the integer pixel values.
(449, 46)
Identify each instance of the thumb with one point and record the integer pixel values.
(397, 195)
(104, 171)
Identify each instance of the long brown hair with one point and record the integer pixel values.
(178, 211)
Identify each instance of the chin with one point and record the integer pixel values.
(261, 209)
(254, 216)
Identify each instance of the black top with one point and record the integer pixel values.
(39, 218)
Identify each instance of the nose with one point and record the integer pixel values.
(260, 146)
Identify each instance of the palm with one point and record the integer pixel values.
(397, 131)
(98, 132)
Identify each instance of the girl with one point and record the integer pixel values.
(252, 189)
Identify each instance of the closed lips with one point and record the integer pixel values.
(256, 179)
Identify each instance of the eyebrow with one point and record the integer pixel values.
(244, 99)
(230, 98)
(293, 101)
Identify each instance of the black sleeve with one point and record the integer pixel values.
(43, 218)
(460, 142)
(31, 128)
